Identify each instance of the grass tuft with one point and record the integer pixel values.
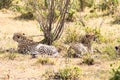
(10, 56)
(45, 61)
(88, 61)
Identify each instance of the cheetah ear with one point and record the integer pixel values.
(59, 49)
(23, 33)
(116, 47)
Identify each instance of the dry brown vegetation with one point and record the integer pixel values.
(21, 67)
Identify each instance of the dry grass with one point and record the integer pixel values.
(45, 61)
(23, 68)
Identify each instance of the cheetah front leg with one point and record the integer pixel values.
(33, 55)
(78, 55)
(90, 50)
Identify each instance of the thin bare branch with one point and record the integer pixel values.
(59, 28)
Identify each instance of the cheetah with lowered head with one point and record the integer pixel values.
(26, 45)
(83, 46)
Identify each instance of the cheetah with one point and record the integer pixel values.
(26, 45)
(87, 40)
(83, 46)
(23, 42)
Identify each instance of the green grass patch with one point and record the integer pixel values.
(115, 74)
(67, 73)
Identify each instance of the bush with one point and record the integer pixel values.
(109, 6)
(72, 35)
(86, 3)
(117, 20)
(39, 8)
(68, 73)
(115, 74)
(92, 15)
(26, 16)
(70, 14)
(5, 3)
(88, 61)
(116, 17)
(109, 50)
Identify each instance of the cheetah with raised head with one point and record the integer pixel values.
(87, 40)
(83, 46)
(26, 45)
(23, 42)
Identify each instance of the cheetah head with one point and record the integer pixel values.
(19, 37)
(90, 36)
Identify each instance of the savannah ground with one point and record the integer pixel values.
(22, 67)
